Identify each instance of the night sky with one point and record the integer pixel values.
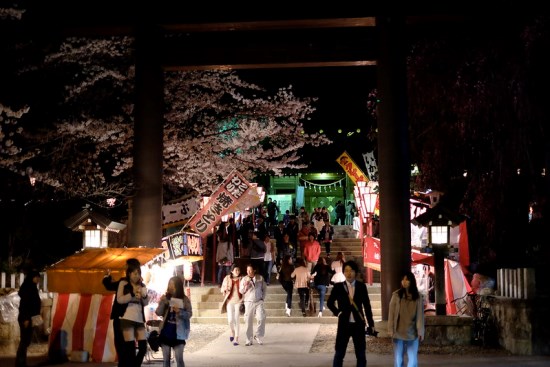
(342, 94)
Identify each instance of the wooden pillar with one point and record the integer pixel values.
(393, 156)
(146, 227)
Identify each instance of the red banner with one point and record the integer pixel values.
(371, 253)
(223, 201)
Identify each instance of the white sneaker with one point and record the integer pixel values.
(258, 340)
(288, 312)
(286, 306)
(320, 314)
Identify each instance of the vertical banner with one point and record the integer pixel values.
(370, 163)
(223, 201)
(352, 170)
(371, 253)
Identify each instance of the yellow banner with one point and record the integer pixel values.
(351, 168)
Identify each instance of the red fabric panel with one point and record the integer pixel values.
(102, 327)
(80, 321)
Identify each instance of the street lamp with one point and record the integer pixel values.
(367, 201)
(439, 221)
(439, 238)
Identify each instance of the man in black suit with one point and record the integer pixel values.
(117, 310)
(349, 301)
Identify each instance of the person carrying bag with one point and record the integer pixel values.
(175, 309)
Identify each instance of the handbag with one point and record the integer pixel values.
(242, 308)
(37, 320)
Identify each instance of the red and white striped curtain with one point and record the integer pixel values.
(81, 322)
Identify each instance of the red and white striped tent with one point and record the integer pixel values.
(82, 307)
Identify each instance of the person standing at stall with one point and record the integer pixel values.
(406, 321)
(176, 311)
(29, 306)
(117, 310)
(132, 294)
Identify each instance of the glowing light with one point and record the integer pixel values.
(187, 270)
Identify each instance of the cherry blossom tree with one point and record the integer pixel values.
(79, 141)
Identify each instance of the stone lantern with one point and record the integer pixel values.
(439, 221)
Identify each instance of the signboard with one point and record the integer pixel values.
(352, 170)
(181, 210)
(371, 253)
(184, 245)
(226, 199)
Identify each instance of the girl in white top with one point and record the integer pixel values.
(233, 299)
(336, 267)
(268, 258)
(132, 294)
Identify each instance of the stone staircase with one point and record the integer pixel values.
(207, 300)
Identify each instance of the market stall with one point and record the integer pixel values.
(81, 306)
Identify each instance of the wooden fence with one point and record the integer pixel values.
(15, 280)
(516, 283)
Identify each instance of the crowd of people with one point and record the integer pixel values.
(288, 250)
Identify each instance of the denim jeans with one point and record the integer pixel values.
(167, 355)
(322, 289)
(288, 286)
(267, 271)
(405, 346)
(225, 270)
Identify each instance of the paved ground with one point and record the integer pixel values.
(289, 345)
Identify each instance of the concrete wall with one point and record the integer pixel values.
(523, 325)
(448, 330)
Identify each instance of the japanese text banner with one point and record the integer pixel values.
(352, 170)
(371, 253)
(222, 202)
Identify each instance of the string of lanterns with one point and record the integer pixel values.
(322, 187)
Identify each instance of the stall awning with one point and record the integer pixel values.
(84, 271)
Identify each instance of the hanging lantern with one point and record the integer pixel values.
(187, 270)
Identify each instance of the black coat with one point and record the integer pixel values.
(339, 302)
(29, 304)
(118, 309)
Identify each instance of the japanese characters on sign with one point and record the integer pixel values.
(371, 253)
(352, 170)
(222, 201)
(183, 245)
(181, 210)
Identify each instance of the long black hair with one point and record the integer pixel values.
(178, 284)
(413, 289)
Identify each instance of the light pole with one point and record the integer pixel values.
(439, 238)
(367, 197)
(439, 221)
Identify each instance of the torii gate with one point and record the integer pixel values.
(298, 42)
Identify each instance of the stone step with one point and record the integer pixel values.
(280, 311)
(283, 319)
(207, 308)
